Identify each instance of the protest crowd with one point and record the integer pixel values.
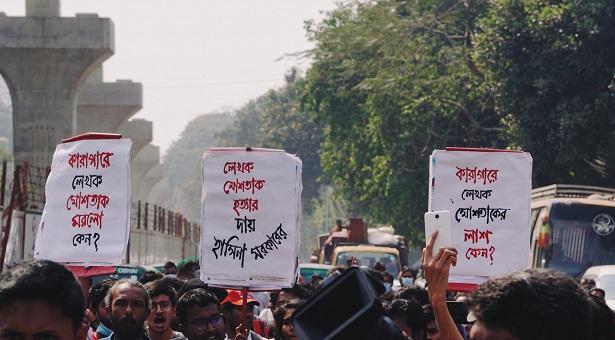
(43, 300)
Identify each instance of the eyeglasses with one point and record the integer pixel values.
(216, 320)
(164, 305)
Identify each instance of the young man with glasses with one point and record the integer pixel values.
(164, 301)
(200, 317)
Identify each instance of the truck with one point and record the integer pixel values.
(365, 246)
(572, 227)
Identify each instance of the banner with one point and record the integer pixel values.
(488, 196)
(250, 218)
(86, 215)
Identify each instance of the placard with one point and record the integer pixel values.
(250, 218)
(86, 219)
(488, 195)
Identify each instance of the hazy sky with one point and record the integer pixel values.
(197, 56)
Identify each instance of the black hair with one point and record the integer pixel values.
(299, 290)
(534, 304)
(132, 283)
(198, 297)
(174, 282)
(410, 312)
(157, 288)
(149, 276)
(278, 315)
(414, 293)
(98, 291)
(603, 318)
(44, 281)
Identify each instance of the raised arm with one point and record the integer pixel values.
(436, 269)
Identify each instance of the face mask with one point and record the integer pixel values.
(387, 287)
(407, 281)
(103, 330)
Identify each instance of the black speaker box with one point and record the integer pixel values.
(346, 308)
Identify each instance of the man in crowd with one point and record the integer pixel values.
(283, 315)
(200, 316)
(41, 299)
(163, 300)
(129, 305)
(528, 304)
(408, 315)
(96, 304)
(531, 304)
(170, 269)
(231, 309)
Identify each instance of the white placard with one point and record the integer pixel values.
(87, 209)
(250, 218)
(488, 195)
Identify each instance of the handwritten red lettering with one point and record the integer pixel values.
(474, 175)
(234, 167)
(247, 204)
(90, 160)
(243, 186)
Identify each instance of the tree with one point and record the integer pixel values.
(275, 120)
(551, 67)
(392, 81)
(182, 162)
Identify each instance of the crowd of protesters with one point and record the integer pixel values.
(43, 300)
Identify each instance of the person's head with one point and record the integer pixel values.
(187, 270)
(297, 291)
(195, 283)
(96, 301)
(231, 309)
(379, 267)
(149, 276)
(200, 315)
(129, 305)
(164, 300)
(338, 225)
(406, 278)
(598, 292)
(408, 315)
(283, 316)
(170, 268)
(316, 280)
(530, 304)
(414, 293)
(41, 299)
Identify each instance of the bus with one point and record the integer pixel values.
(572, 228)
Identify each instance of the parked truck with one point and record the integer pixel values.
(364, 247)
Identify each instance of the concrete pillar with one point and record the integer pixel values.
(104, 107)
(147, 182)
(160, 193)
(43, 8)
(140, 131)
(45, 59)
(147, 158)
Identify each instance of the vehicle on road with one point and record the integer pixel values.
(368, 255)
(307, 270)
(572, 228)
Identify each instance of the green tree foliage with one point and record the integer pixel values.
(551, 65)
(275, 120)
(391, 81)
(183, 161)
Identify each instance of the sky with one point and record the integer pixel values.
(198, 56)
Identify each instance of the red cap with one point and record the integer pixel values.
(236, 298)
